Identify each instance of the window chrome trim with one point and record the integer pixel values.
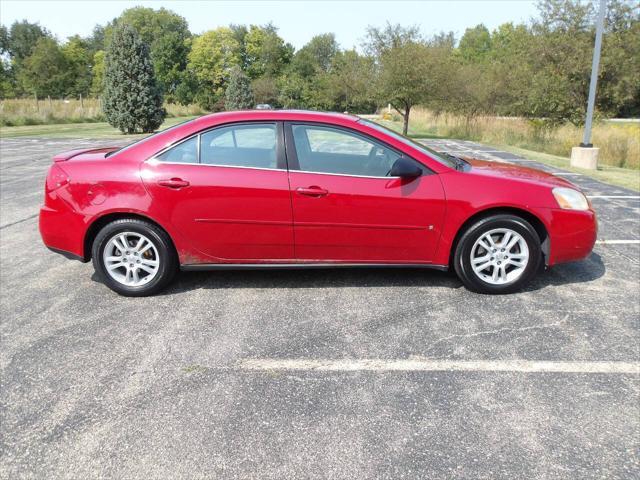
(342, 174)
(155, 161)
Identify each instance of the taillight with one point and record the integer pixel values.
(56, 178)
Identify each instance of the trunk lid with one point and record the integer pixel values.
(93, 153)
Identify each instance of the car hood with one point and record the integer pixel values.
(517, 172)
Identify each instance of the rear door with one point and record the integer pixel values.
(347, 208)
(227, 191)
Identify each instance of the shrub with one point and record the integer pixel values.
(238, 95)
(132, 100)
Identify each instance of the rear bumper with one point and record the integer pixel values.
(62, 231)
(573, 235)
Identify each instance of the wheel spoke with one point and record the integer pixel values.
(484, 245)
(516, 262)
(512, 243)
(136, 277)
(494, 275)
(147, 247)
(502, 273)
(140, 243)
(114, 266)
(505, 239)
(122, 243)
(484, 258)
(479, 268)
(146, 268)
(147, 261)
(128, 276)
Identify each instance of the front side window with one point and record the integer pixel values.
(332, 150)
(240, 146)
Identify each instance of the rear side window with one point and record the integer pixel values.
(240, 146)
(185, 152)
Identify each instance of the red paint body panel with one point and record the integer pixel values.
(367, 219)
(254, 215)
(229, 214)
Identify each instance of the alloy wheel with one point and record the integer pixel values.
(500, 256)
(131, 259)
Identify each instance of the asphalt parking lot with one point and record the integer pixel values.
(323, 374)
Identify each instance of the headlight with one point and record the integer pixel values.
(570, 199)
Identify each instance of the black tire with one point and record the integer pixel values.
(462, 257)
(168, 261)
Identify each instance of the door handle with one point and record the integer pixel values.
(312, 191)
(173, 183)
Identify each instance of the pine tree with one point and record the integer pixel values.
(132, 100)
(238, 95)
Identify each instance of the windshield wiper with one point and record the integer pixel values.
(459, 163)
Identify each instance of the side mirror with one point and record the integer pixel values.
(405, 168)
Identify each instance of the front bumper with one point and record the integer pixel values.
(573, 235)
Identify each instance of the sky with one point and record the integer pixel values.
(297, 20)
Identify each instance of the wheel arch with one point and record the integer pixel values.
(537, 224)
(98, 223)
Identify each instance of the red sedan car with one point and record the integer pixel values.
(289, 189)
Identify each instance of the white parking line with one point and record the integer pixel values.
(614, 196)
(618, 242)
(426, 365)
(568, 174)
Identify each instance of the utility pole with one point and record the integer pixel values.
(585, 155)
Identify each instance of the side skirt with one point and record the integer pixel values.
(293, 266)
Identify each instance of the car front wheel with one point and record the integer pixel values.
(135, 258)
(498, 254)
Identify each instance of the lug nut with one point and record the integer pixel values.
(499, 263)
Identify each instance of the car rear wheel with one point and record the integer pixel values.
(498, 254)
(134, 258)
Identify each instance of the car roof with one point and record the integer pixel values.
(309, 115)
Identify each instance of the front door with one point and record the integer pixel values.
(226, 190)
(347, 208)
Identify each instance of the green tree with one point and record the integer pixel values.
(265, 90)
(45, 71)
(404, 77)
(166, 33)
(23, 38)
(346, 84)
(266, 53)
(132, 100)
(79, 60)
(475, 44)
(213, 54)
(238, 95)
(97, 80)
(316, 56)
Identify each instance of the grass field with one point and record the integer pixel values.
(27, 111)
(619, 143)
(78, 130)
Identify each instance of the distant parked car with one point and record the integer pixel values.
(264, 106)
(291, 189)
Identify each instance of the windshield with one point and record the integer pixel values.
(446, 161)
